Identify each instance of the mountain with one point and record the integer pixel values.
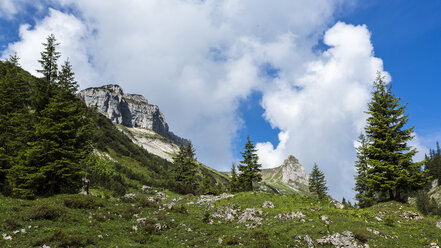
(289, 177)
(130, 110)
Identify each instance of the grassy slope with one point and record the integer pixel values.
(114, 220)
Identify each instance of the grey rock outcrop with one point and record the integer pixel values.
(291, 173)
(130, 110)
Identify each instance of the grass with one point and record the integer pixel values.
(146, 220)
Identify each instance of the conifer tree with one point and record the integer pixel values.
(14, 117)
(234, 184)
(433, 164)
(51, 162)
(317, 183)
(249, 167)
(391, 169)
(364, 195)
(185, 172)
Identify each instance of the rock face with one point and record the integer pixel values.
(291, 174)
(130, 110)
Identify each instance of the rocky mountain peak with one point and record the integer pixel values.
(130, 110)
(290, 173)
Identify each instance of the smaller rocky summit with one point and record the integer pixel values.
(130, 110)
(290, 174)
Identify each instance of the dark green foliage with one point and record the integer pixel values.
(249, 167)
(317, 183)
(364, 196)
(433, 164)
(10, 225)
(185, 178)
(46, 212)
(58, 238)
(180, 209)
(232, 241)
(206, 217)
(391, 174)
(82, 201)
(389, 220)
(362, 235)
(426, 205)
(58, 141)
(234, 183)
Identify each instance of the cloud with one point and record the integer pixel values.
(323, 109)
(70, 33)
(195, 59)
(198, 60)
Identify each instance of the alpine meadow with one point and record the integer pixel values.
(250, 124)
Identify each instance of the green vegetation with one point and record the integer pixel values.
(137, 221)
(385, 167)
(185, 179)
(249, 167)
(317, 183)
(433, 163)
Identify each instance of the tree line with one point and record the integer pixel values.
(44, 133)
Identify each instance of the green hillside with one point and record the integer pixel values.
(154, 219)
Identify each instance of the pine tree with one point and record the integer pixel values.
(433, 164)
(391, 169)
(51, 162)
(249, 167)
(234, 184)
(185, 172)
(317, 183)
(364, 196)
(206, 184)
(14, 117)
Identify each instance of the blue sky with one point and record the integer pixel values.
(294, 75)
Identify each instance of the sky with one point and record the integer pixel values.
(294, 75)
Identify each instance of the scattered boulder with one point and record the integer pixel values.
(409, 215)
(251, 214)
(344, 239)
(208, 199)
(433, 245)
(228, 214)
(326, 219)
(268, 204)
(337, 204)
(438, 224)
(290, 216)
(309, 242)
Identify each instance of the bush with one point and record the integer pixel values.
(47, 212)
(9, 225)
(361, 235)
(389, 220)
(145, 203)
(180, 209)
(87, 202)
(232, 241)
(426, 205)
(58, 238)
(206, 218)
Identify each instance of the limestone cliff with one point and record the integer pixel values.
(290, 176)
(129, 110)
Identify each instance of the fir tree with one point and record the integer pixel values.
(234, 184)
(389, 158)
(317, 183)
(249, 167)
(433, 164)
(15, 119)
(364, 195)
(51, 161)
(185, 172)
(206, 184)
(49, 58)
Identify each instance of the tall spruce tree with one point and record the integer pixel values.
(249, 167)
(51, 161)
(234, 183)
(364, 195)
(317, 183)
(14, 117)
(185, 173)
(391, 171)
(433, 163)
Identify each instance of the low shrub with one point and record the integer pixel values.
(47, 212)
(361, 235)
(180, 209)
(389, 220)
(9, 225)
(86, 202)
(145, 203)
(58, 238)
(232, 241)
